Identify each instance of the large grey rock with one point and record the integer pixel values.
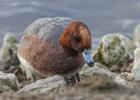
(8, 52)
(114, 49)
(124, 79)
(137, 35)
(8, 82)
(136, 68)
(45, 85)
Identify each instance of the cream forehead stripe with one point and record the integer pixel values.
(86, 39)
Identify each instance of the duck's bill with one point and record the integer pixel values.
(88, 58)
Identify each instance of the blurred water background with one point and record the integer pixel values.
(101, 16)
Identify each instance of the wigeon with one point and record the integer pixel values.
(55, 46)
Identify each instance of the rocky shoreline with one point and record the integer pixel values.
(115, 75)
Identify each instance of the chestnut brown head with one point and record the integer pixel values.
(77, 37)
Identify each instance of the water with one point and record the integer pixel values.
(101, 16)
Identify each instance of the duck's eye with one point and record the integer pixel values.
(76, 37)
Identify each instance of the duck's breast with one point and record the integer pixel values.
(48, 57)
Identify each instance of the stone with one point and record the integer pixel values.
(126, 79)
(8, 52)
(100, 82)
(137, 35)
(97, 87)
(52, 83)
(8, 82)
(115, 50)
(136, 68)
(97, 69)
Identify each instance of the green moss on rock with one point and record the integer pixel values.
(9, 43)
(114, 49)
(8, 51)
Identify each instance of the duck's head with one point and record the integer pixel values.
(77, 37)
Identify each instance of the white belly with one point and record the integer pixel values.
(30, 72)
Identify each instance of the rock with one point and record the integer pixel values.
(97, 69)
(99, 87)
(8, 82)
(4, 89)
(137, 35)
(126, 79)
(8, 52)
(100, 82)
(9, 62)
(115, 49)
(45, 85)
(136, 68)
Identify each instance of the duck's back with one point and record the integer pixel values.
(48, 29)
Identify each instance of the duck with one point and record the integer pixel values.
(55, 46)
